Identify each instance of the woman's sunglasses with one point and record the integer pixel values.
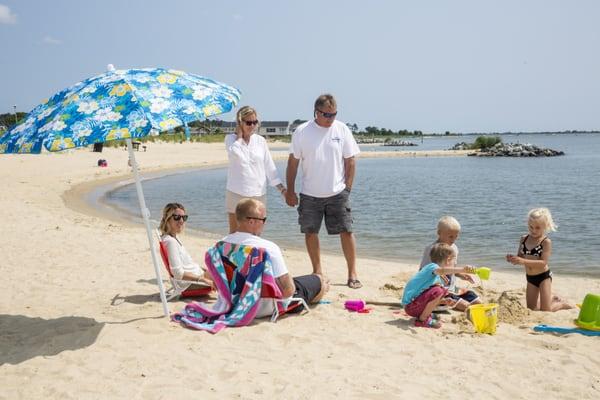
(179, 217)
(250, 123)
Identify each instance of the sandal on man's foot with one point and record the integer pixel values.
(428, 323)
(354, 284)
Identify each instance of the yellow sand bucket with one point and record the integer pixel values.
(484, 317)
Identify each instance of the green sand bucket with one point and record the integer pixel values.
(483, 273)
(589, 315)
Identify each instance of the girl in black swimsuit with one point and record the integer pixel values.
(534, 252)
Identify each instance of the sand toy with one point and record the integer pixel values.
(589, 314)
(483, 273)
(484, 317)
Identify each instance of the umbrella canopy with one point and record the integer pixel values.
(119, 104)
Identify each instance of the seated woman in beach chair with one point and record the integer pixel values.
(188, 278)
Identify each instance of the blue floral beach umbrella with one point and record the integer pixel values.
(121, 104)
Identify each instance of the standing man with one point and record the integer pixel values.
(326, 148)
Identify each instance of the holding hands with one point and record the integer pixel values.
(291, 198)
(282, 190)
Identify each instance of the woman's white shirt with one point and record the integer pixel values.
(250, 166)
(180, 261)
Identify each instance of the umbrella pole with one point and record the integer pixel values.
(146, 217)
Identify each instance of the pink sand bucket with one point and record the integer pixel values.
(354, 305)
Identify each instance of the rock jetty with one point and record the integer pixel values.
(462, 146)
(516, 150)
(395, 142)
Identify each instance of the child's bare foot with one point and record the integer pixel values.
(428, 323)
(560, 304)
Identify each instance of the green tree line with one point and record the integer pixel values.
(8, 120)
(375, 131)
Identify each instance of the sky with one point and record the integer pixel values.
(434, 66)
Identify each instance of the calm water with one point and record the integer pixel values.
(397, 202)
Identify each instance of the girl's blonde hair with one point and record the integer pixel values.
(168, 212)
(544, 215)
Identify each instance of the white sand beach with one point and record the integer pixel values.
(80, 315)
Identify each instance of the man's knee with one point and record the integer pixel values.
(324, 288)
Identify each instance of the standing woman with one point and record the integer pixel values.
(250, 164)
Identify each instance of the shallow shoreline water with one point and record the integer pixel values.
(101, 201)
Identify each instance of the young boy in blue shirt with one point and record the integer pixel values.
(448, 230)
(425, 290)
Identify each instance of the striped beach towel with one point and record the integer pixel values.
(242, 275)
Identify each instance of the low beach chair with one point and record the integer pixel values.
(243, 275)
(280, 305)
(174, 292)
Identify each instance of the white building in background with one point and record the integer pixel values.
(269, 128)
(266, 128)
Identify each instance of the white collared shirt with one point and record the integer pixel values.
(250, 166)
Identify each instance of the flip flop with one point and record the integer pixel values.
(354, 284)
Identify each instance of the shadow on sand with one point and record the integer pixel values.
(404, 324)
(135, 299)
(25, 337)
(152, 298)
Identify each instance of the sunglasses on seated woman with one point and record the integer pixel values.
(179, 217)
(250, 123)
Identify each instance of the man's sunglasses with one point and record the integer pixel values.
(327, 115)
(258, 219)
(177, 217)
(250, 123)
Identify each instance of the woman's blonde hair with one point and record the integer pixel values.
(244, 112)
(544, 215)
(168, 212)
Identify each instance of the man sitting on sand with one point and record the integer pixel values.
(251, 217)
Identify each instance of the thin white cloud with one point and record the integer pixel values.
(51, 40)
(6, 16)
(238, 17)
